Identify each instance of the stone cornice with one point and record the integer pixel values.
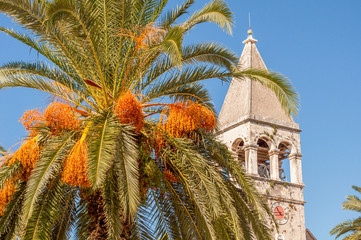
(299, 185)
(253, 119)
(250, 39)
(285, 200)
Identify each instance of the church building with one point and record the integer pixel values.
(266, 141)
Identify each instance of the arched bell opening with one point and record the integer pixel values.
(285, 149)
(238, 148)
(263, 157)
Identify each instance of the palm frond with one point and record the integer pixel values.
(193, 56)
(51, 54)
(114, 212)
(143, 11)
(47, 168)
(29, 80)
(102, 147)
(353, 203)
(172, 45)
(43, 70)
(249, 203)
(351, 229)
(81, 227)
(209, 53)
(12, 216)
(171, 16)
(126, 163)
(7, 172)
(141, 230)
(345, 227)
(29, 13)
(185, 78)
(185, 212)
(45, 211)
(66, 215)
(162, 216)
(60, 9)
(194, 172)
(216, 11)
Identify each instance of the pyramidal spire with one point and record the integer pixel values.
(250, 57)
(247, 99)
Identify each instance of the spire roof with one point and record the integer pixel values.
(247, 99)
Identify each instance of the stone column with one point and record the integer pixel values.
(251, 159)
(296, 168)
(246, 156)
(274, 165)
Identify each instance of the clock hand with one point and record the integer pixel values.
(279, 212)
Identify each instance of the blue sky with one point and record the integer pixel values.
(317, 44)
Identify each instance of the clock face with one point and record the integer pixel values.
(280, 213)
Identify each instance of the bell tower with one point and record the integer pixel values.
(266, 141)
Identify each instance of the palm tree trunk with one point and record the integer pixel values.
(126, 231)
(97, 226)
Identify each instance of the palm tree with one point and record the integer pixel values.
(127, 148)
(350, 227)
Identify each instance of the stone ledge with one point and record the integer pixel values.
(297, 202)
(278, 182)
(256, 119)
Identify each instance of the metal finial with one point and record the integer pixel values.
(249, 23)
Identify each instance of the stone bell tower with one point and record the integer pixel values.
(266, 141)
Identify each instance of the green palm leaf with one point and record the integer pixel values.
(45, 211)
(10, 221)
(127, 166)
(171, 16)
(7, 172)
(65, 216)
(104, 132)
(216, 11)
(114, 211)
(48, 166)
(351, 229)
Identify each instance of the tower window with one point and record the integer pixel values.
(238, 148)
(284, 163)
(263, 159)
